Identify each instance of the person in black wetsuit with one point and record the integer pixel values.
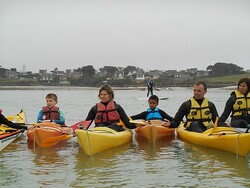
(107, 113)
(238, 105)
(151, 86)
(199, 112)
(153, 112)
(5, 121)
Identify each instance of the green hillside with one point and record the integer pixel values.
(233, 79)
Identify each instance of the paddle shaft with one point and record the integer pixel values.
(248, 127)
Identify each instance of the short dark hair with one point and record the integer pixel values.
(154, 97)
(51, 96)
(202, 83)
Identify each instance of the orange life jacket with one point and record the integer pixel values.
(106, 114)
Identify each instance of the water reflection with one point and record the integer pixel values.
(220, 167)
(100, 159)
(99, 170)
(152, 150)
(51, 165)
(8, 175)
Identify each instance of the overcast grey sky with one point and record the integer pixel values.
(157, 34)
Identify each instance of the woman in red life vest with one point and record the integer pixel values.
(51, 112)
(107, 112)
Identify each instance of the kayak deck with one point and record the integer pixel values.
(99, 139)
(153, 130)
(47, 134)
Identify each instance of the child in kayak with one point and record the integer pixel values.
(5, 121)
(50, 112)
(153, 112)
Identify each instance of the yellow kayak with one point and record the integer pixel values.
(7, 134)
(223, 138)
(18, 118)
(99, 139)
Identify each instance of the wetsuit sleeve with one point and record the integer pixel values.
(182, 111)
(227, 110)
(142, 115)
(213, 110)
(40, 117)
(124, 117)
(92, 113)
(165, 115)
(61, 120)
(5, 121)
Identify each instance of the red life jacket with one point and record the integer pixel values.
(50, 113)
(106, 114)
(0, 111)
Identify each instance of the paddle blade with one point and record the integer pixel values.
(52, 141)
(81, 125)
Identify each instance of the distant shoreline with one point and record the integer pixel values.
(45, 88)
(85, 88)
(62, 88)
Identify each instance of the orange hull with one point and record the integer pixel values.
(47, 134)
(154, 132)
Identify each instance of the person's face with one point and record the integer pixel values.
(152, 104)
(104, 96)
(243, 88)
(51, 102)
(199, 91)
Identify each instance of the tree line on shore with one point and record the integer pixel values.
(88, 76)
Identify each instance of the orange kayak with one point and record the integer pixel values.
(153, 130)
(48, 134)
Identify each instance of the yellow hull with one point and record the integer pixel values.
(18, 118)
(99, 139)
(223, 138)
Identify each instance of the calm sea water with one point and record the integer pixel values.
(168, 163)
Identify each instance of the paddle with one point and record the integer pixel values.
(81, 125)
(248, 127)
(149, 122)
(139, 122)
